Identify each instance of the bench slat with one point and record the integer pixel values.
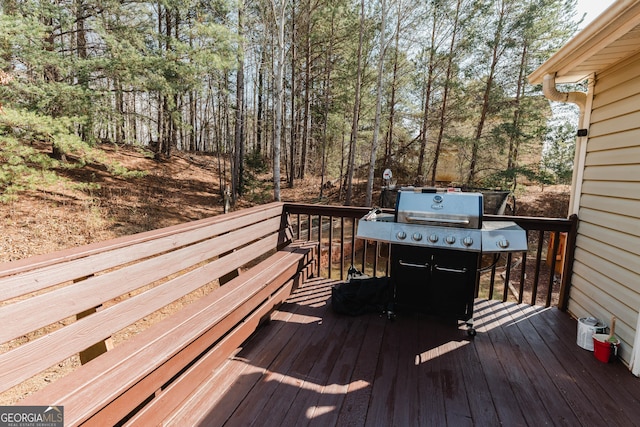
(65, 342)
(151, 358)
(170, 399)
(82, 262)
(148, 385)
(220, 390)
(20, 318)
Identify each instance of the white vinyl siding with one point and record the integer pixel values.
(606, 280)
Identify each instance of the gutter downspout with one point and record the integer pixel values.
(550, 91)
(584, 102)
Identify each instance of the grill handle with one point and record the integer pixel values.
(409, 264)
(451, 270)
(438, 219)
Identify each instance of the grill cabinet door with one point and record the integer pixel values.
(437, 281)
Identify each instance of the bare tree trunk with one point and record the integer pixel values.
(326, 105)
(342, 160)
(292, 146)
(160, 125)
(167, 107)
(486, 101)
(192, 132)
(119, 113)
(133, 123)
(166, 124)
(278, 13)
(237, 165)
(356, 110)
(376, 128)
(427, 98)
(193, 128)
(221, 131)
(260, 113)
(176, 116)
(514, 140)
(392, 103)
(86, 129)
(306, 130)
(52, 74)
(285, 151)
(447, 86)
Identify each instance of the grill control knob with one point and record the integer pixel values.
(450, 239)
(417, 237)
(433, 238)
(467, 241)
(503, 243)
(401, 235)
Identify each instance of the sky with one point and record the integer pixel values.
(592, 8)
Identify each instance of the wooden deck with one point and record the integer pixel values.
(309, 366)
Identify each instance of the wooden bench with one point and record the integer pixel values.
(57, 306)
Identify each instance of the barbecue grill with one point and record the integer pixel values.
(437, 239)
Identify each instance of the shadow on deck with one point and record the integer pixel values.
(309, 366)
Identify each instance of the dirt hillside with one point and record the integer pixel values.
(184, 188)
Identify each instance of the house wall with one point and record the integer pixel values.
(606, 280)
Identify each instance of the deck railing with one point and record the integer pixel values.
(541, 276)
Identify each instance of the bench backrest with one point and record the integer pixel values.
(127, 278)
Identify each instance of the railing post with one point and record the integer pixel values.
(523, 274)
(376, 248)
(567, 270)
(319, 243)
(353, 243)
(330, 248)
(507, 278)
(341, 248)
(552, 267)
(536, 277)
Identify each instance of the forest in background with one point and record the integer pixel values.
(434, 90)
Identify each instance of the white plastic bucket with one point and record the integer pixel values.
(587, 326)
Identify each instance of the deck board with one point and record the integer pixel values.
(309, 366)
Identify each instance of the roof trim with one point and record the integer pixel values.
(616, 21)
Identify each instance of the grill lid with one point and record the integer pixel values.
(451, 209)
(449, 220)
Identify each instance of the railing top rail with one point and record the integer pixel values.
(528, 223)
(329, 210)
